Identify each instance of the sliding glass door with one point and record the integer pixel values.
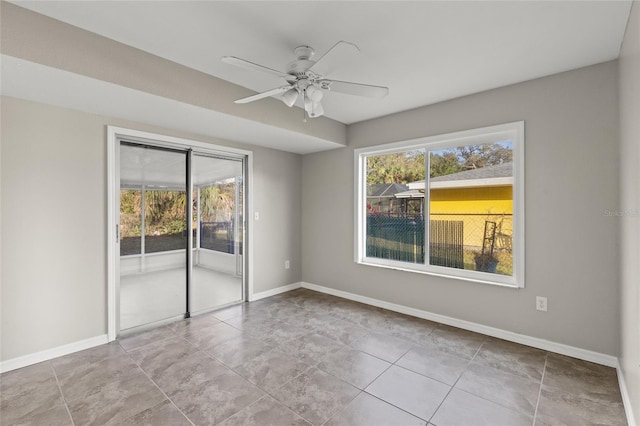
(217, 273)
(169, 200)
(153, 234)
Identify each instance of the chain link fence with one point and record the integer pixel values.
(453, 238)
(474, 228)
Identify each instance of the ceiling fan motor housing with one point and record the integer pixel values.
(299, 67)
(303, 63)
(304, 52)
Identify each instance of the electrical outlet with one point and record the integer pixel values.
(541, 303)
(286, 264)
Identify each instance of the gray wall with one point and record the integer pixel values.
(630, 203)
(53, 225)
(571, 132)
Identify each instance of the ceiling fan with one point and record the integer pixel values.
(306, 78)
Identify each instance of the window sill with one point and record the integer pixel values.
(444, 274)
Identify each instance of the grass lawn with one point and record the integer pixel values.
(505, 261)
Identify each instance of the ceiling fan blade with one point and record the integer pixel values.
(232, 60)
(339, 54)
(263, 95)
(357, 89)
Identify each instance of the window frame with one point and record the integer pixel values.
(513, 131)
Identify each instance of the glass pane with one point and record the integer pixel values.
(395, 206)
(217, 215)
(165, 220)
(130, 221)
(471, 207)
(217, 262)
(152, 220)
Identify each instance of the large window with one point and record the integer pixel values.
(450, 205)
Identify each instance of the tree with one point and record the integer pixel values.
(217, 202)
(405, 167)
(469, 157)
(130, 208)
(478, 156)
(444, 164)
(165, 212)
(401, 168)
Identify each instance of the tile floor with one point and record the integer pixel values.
(303, 358)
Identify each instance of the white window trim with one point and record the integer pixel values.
(513, 130)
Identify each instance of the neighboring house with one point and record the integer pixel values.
(474, 197)
(381, 197)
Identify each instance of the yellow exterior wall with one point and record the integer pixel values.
(474, 206)
(486, 200)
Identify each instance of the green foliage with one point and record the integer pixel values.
(217, 202)
(478, 156)
(165, 211)
(444, 164)
(395, 168)
(130, 201)
(469, 157)
(405, 167)
(130, 208)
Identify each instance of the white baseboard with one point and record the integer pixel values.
(274, 291)
(26, 360)
(572, 351)
(587, 355)
(626, 399)
(584, 354)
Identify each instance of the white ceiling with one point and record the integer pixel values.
(425, 52)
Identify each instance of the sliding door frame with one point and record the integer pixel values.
(115, 135)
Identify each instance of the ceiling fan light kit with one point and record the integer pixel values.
(306, 78)
(290, 96)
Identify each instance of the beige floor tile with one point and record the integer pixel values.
(461, 408)
(412, 392)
